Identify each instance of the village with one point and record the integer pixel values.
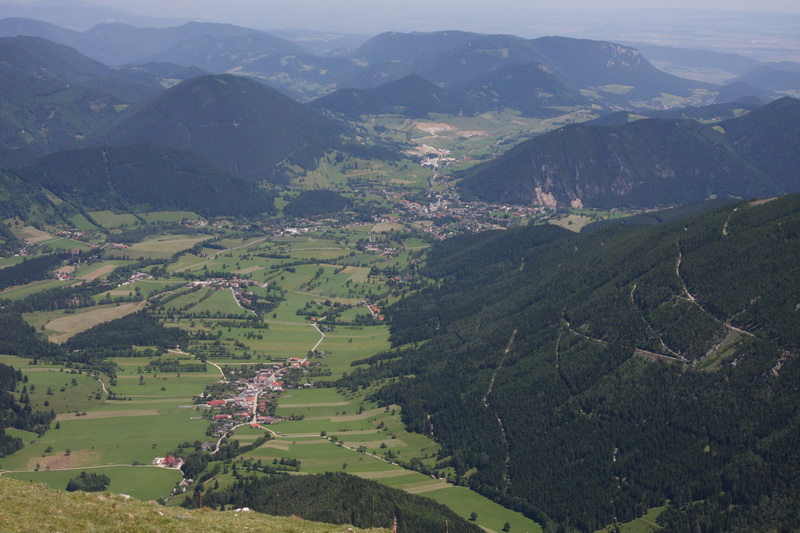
(252, 398)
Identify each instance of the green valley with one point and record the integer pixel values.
(427, 281)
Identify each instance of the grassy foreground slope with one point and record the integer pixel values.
(33, 507)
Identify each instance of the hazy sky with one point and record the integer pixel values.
(749, 28)
(380, 15)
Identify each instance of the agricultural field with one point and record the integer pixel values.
(161, 247)
(61, 325)
(343, 171)
(98, 270)
(81, 223)
(137, 290)
(324, 289)
(344, 432)
(108, 219)
(29, 233)
(218, 302)
(169, 216)
(152, 417)
(18, 293)
(576, 219)
(9, 261)
(644, 524)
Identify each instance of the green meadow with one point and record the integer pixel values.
(219, 301)
(154, 417)
(80, 222)
(18, 293)
(644, 524)
(169, 216)
(161, 247)
(13, 260)
(143, 482)
(108, 219)
(350, 424)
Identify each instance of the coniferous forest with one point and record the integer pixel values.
(585, 378)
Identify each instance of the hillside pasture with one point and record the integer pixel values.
(333, 412)
(91, 272)
(23, 291)
(71, 324)
(491, 516)
(189, 298)
(81, 223)
(56, 390)
(169, 216)
(31, 234)
(109, 219)
(10, 261)
(62, 243)
(219, 302)
(161, 247)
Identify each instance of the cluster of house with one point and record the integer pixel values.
(194, 222)
(28, 244)
(376, 311)
(137, 276)
(225, 283)
(255, 392)
(71, 234)
(384, 248)
(238, 286)
(63, 275)
(168, 462)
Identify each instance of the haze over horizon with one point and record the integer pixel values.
(766, 31)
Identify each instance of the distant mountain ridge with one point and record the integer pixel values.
(118, 43)
(446, 58)
(615, 74)
(530, 89)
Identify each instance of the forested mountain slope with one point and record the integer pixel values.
(585, 378)
(245, 126)
(145, 177)
(411, 96)
(45, 103)
(339, 498)
(54, 98)
(769, 137)
(532, 89)
(649, 163)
